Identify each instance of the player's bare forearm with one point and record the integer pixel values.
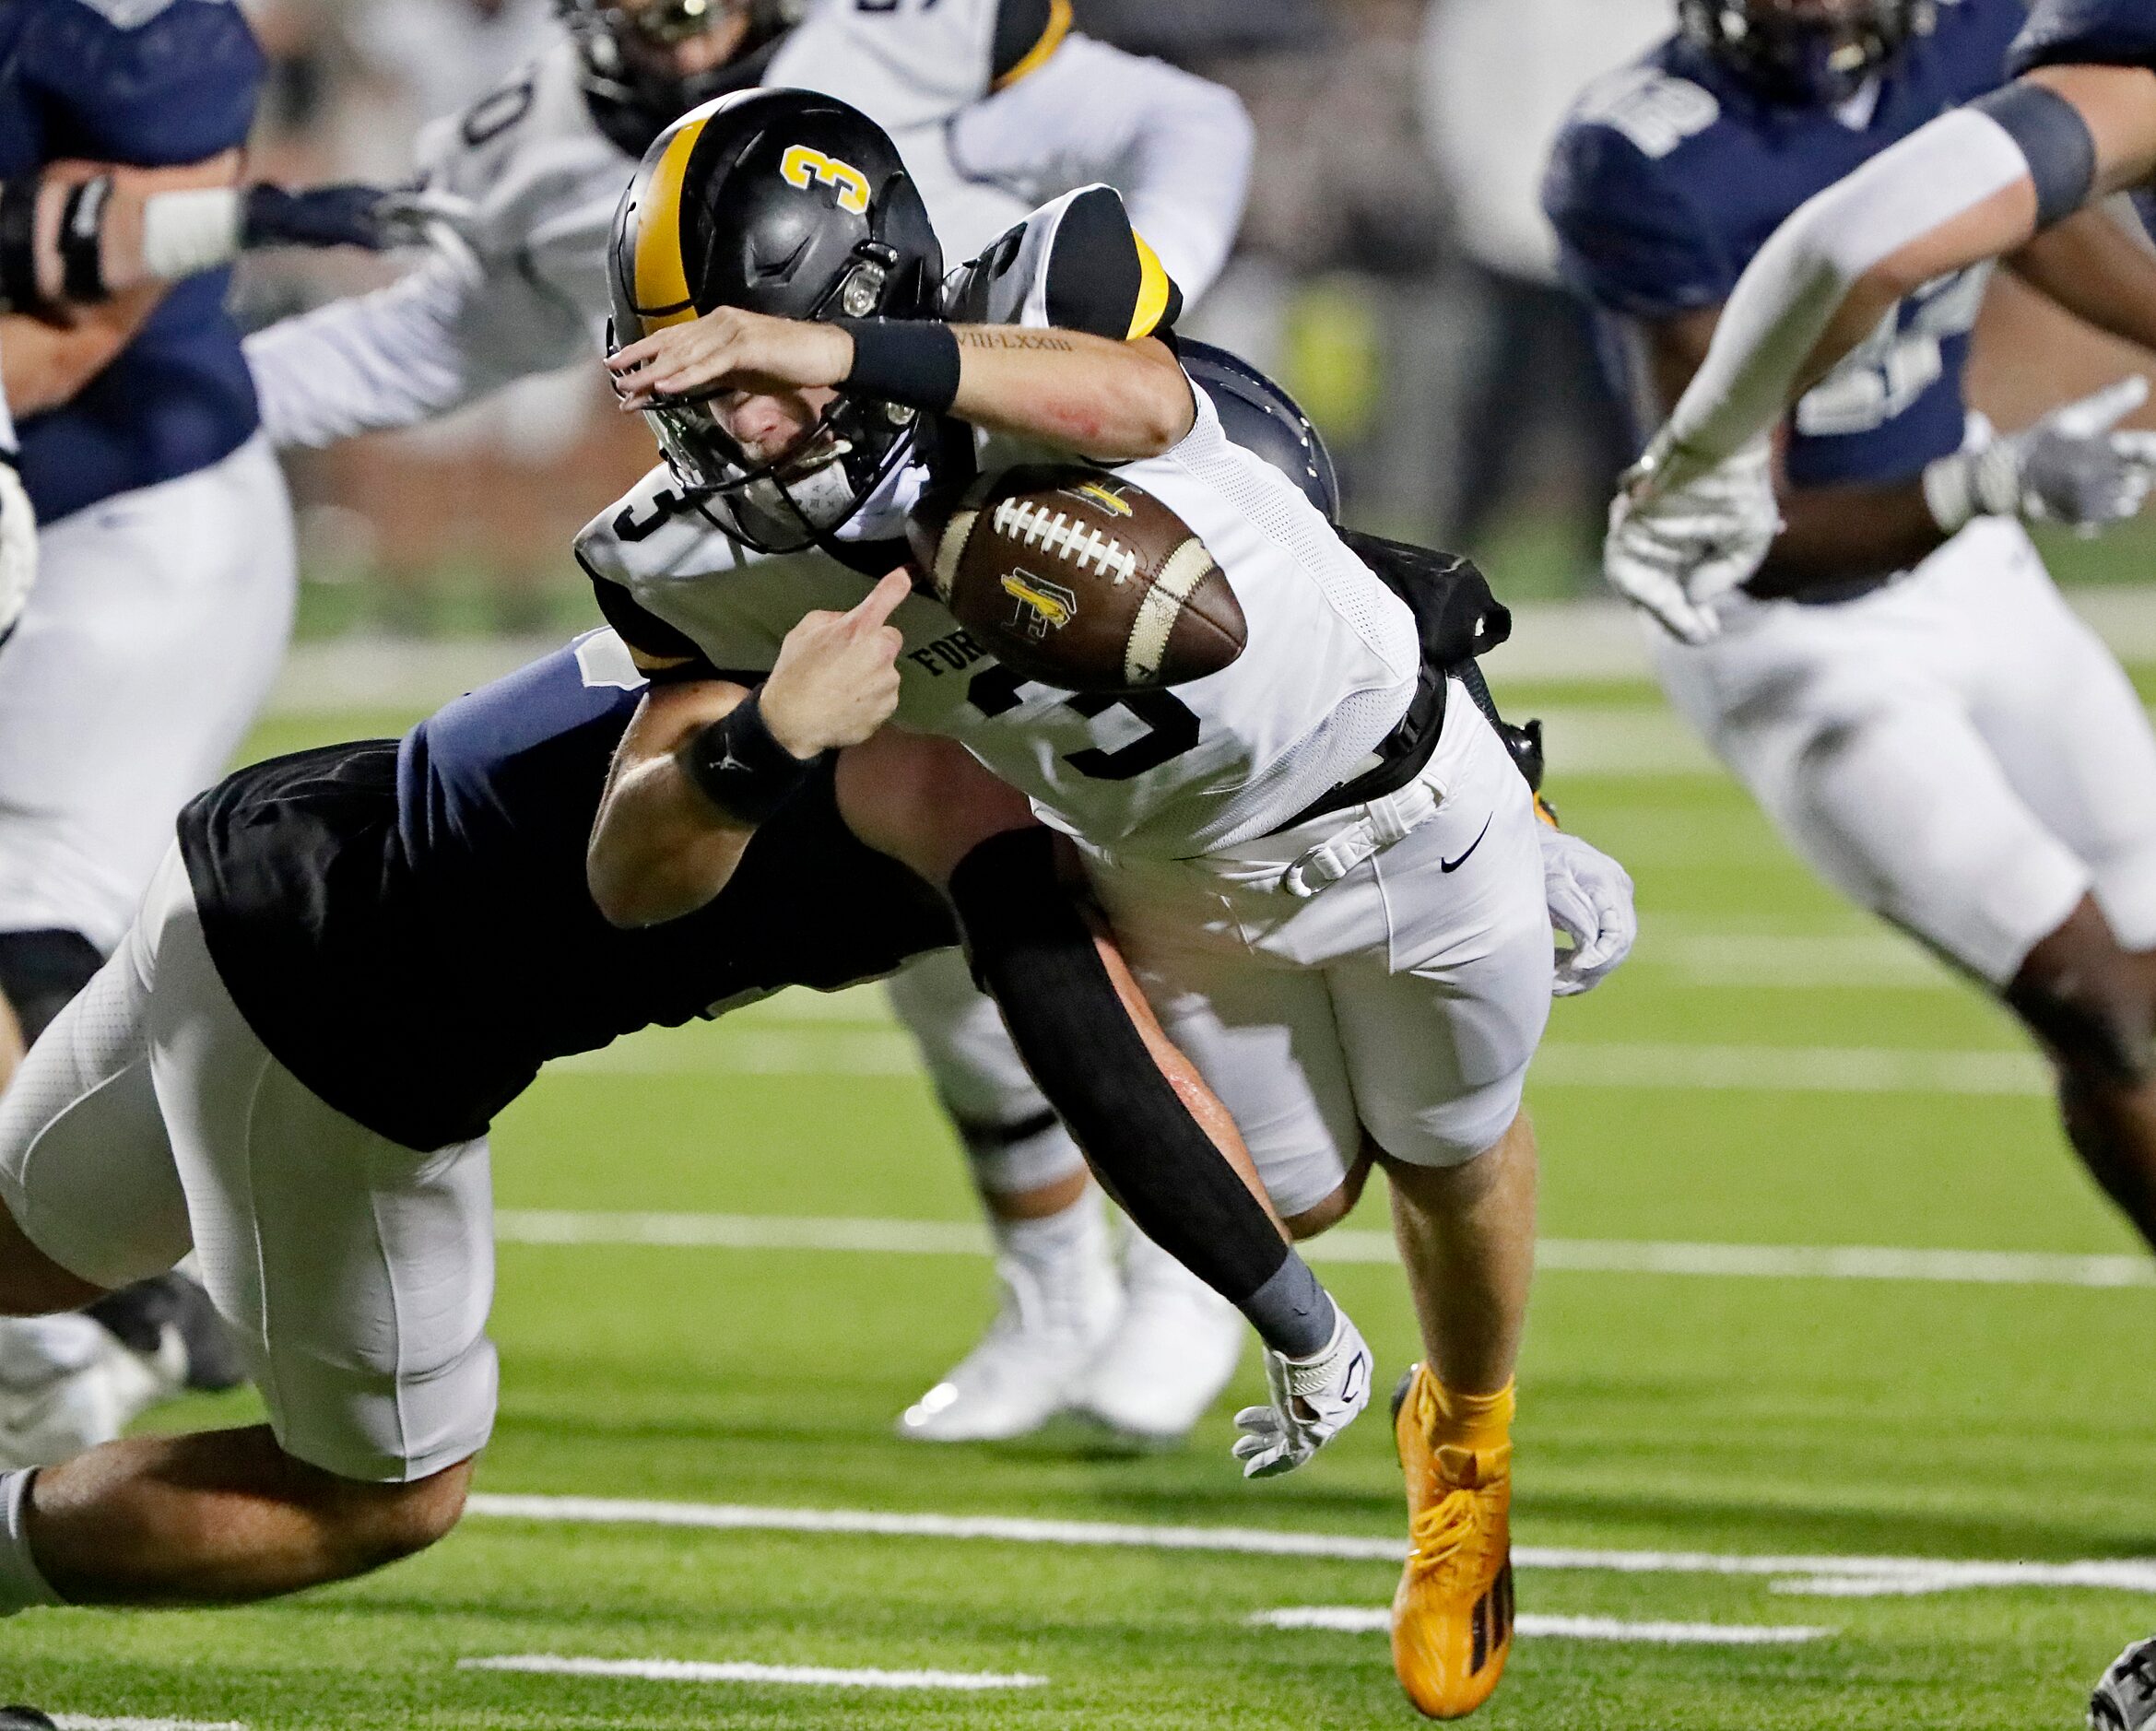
(660, 849)
(1093, 398)
(2090, 265)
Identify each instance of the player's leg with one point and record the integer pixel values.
(2075, 743)
(356, 1274)
(1059, 1293)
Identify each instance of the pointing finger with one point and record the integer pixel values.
(882, 601)
(2100, 411)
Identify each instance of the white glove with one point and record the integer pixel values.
(1313, 1400)
(1674, 552)
(2070, 468)
(1590, 901)
(18, 547)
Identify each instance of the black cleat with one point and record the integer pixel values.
(25, 1719)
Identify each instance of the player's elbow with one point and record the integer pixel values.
(1159, 409)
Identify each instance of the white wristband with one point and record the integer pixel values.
(1982, 482)
(190, 231)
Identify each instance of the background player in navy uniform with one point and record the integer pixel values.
(1898, 681)
(351, 961)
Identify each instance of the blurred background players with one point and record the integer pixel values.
(1900, 683)
(996, 106)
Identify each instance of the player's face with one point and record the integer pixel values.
(768, 425)
(681, 39)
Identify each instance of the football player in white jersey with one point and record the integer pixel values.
(1320, 861)
(995, 105)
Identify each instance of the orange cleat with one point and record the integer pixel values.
(1452, 1614)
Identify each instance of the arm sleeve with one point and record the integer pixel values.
(1176, 146)
(173, 87)
(1628, 239)
(1793, 289)
(440, 337)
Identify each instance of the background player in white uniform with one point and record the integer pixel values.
(1955, 752)
(995, 105)
(1321, 862)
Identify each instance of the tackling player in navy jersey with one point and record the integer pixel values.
(1947, 743)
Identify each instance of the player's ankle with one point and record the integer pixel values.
(22, 1583)
(1460, 1419)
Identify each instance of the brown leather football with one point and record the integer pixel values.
(1079, 579)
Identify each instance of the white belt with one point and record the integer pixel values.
(1381, 822)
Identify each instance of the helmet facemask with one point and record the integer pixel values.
(1808, 55)
(626, 49)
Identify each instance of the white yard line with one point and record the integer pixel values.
(1839, 1577)
(128, 1721)
(1588, 1255)
(742, 1671)
(840, 1049)
(1357, 1620)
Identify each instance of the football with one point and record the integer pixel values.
(1078, 579)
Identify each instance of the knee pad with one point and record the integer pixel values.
(39, 971)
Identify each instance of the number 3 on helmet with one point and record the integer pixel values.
(797, 206)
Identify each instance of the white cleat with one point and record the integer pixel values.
(67, 1385)
(1056, 1312)
(1170, 1357)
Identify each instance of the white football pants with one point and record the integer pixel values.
(1956, 752)
(152, 638)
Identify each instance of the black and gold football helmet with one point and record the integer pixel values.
(793, 205)
(1808, 53)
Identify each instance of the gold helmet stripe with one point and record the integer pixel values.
(1051, 40)
(662, 273)
(1154, 286)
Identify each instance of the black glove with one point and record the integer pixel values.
(352, 214)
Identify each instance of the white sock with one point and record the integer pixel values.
(21, 1585)
(1053, 1240)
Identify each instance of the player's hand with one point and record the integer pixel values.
(18, 547)
(1674, 551)
(1590, 898)
(2126, 1694)
(2075, 467)
(836, 678)
(729, 349)
(1313, 1401)
(352, 214)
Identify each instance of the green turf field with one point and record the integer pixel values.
(1701, 1396)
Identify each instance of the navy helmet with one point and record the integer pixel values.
(1806, 53)
(1265, 420)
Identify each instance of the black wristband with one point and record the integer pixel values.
(915, 362)
(82, 232)
(740, 765)
(18, 259)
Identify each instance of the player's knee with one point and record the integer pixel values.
(2091, 1009)
(371, 1525)
(39, 971)
(1332, 1209)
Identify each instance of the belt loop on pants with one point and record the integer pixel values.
(1384, 820)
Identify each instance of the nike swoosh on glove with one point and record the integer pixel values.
(1313, 1400)
(1675, 553)
(1590, 898)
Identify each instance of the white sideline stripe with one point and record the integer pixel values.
(1356, 1620)
(127, 1722)
(1582, 1255)
(837, 1050)
(1844, 1577)
(742, 1671)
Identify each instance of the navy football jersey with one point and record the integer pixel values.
(406, 926)
(153, 83)
(1670, 174)
(2086, 33)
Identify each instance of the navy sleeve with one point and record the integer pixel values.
(2086, 33)
(140, 82)
(1628, 239)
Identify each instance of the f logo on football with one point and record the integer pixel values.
(1041, 604)
(802, 165)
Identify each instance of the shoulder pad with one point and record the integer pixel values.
(907, 65)
(129, 14)
(1655, 109)
(1630, 238)
(2085, 32)
(651, 532)
(1075, 265)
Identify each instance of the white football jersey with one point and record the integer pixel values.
(544, 180)
(1328, 670)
